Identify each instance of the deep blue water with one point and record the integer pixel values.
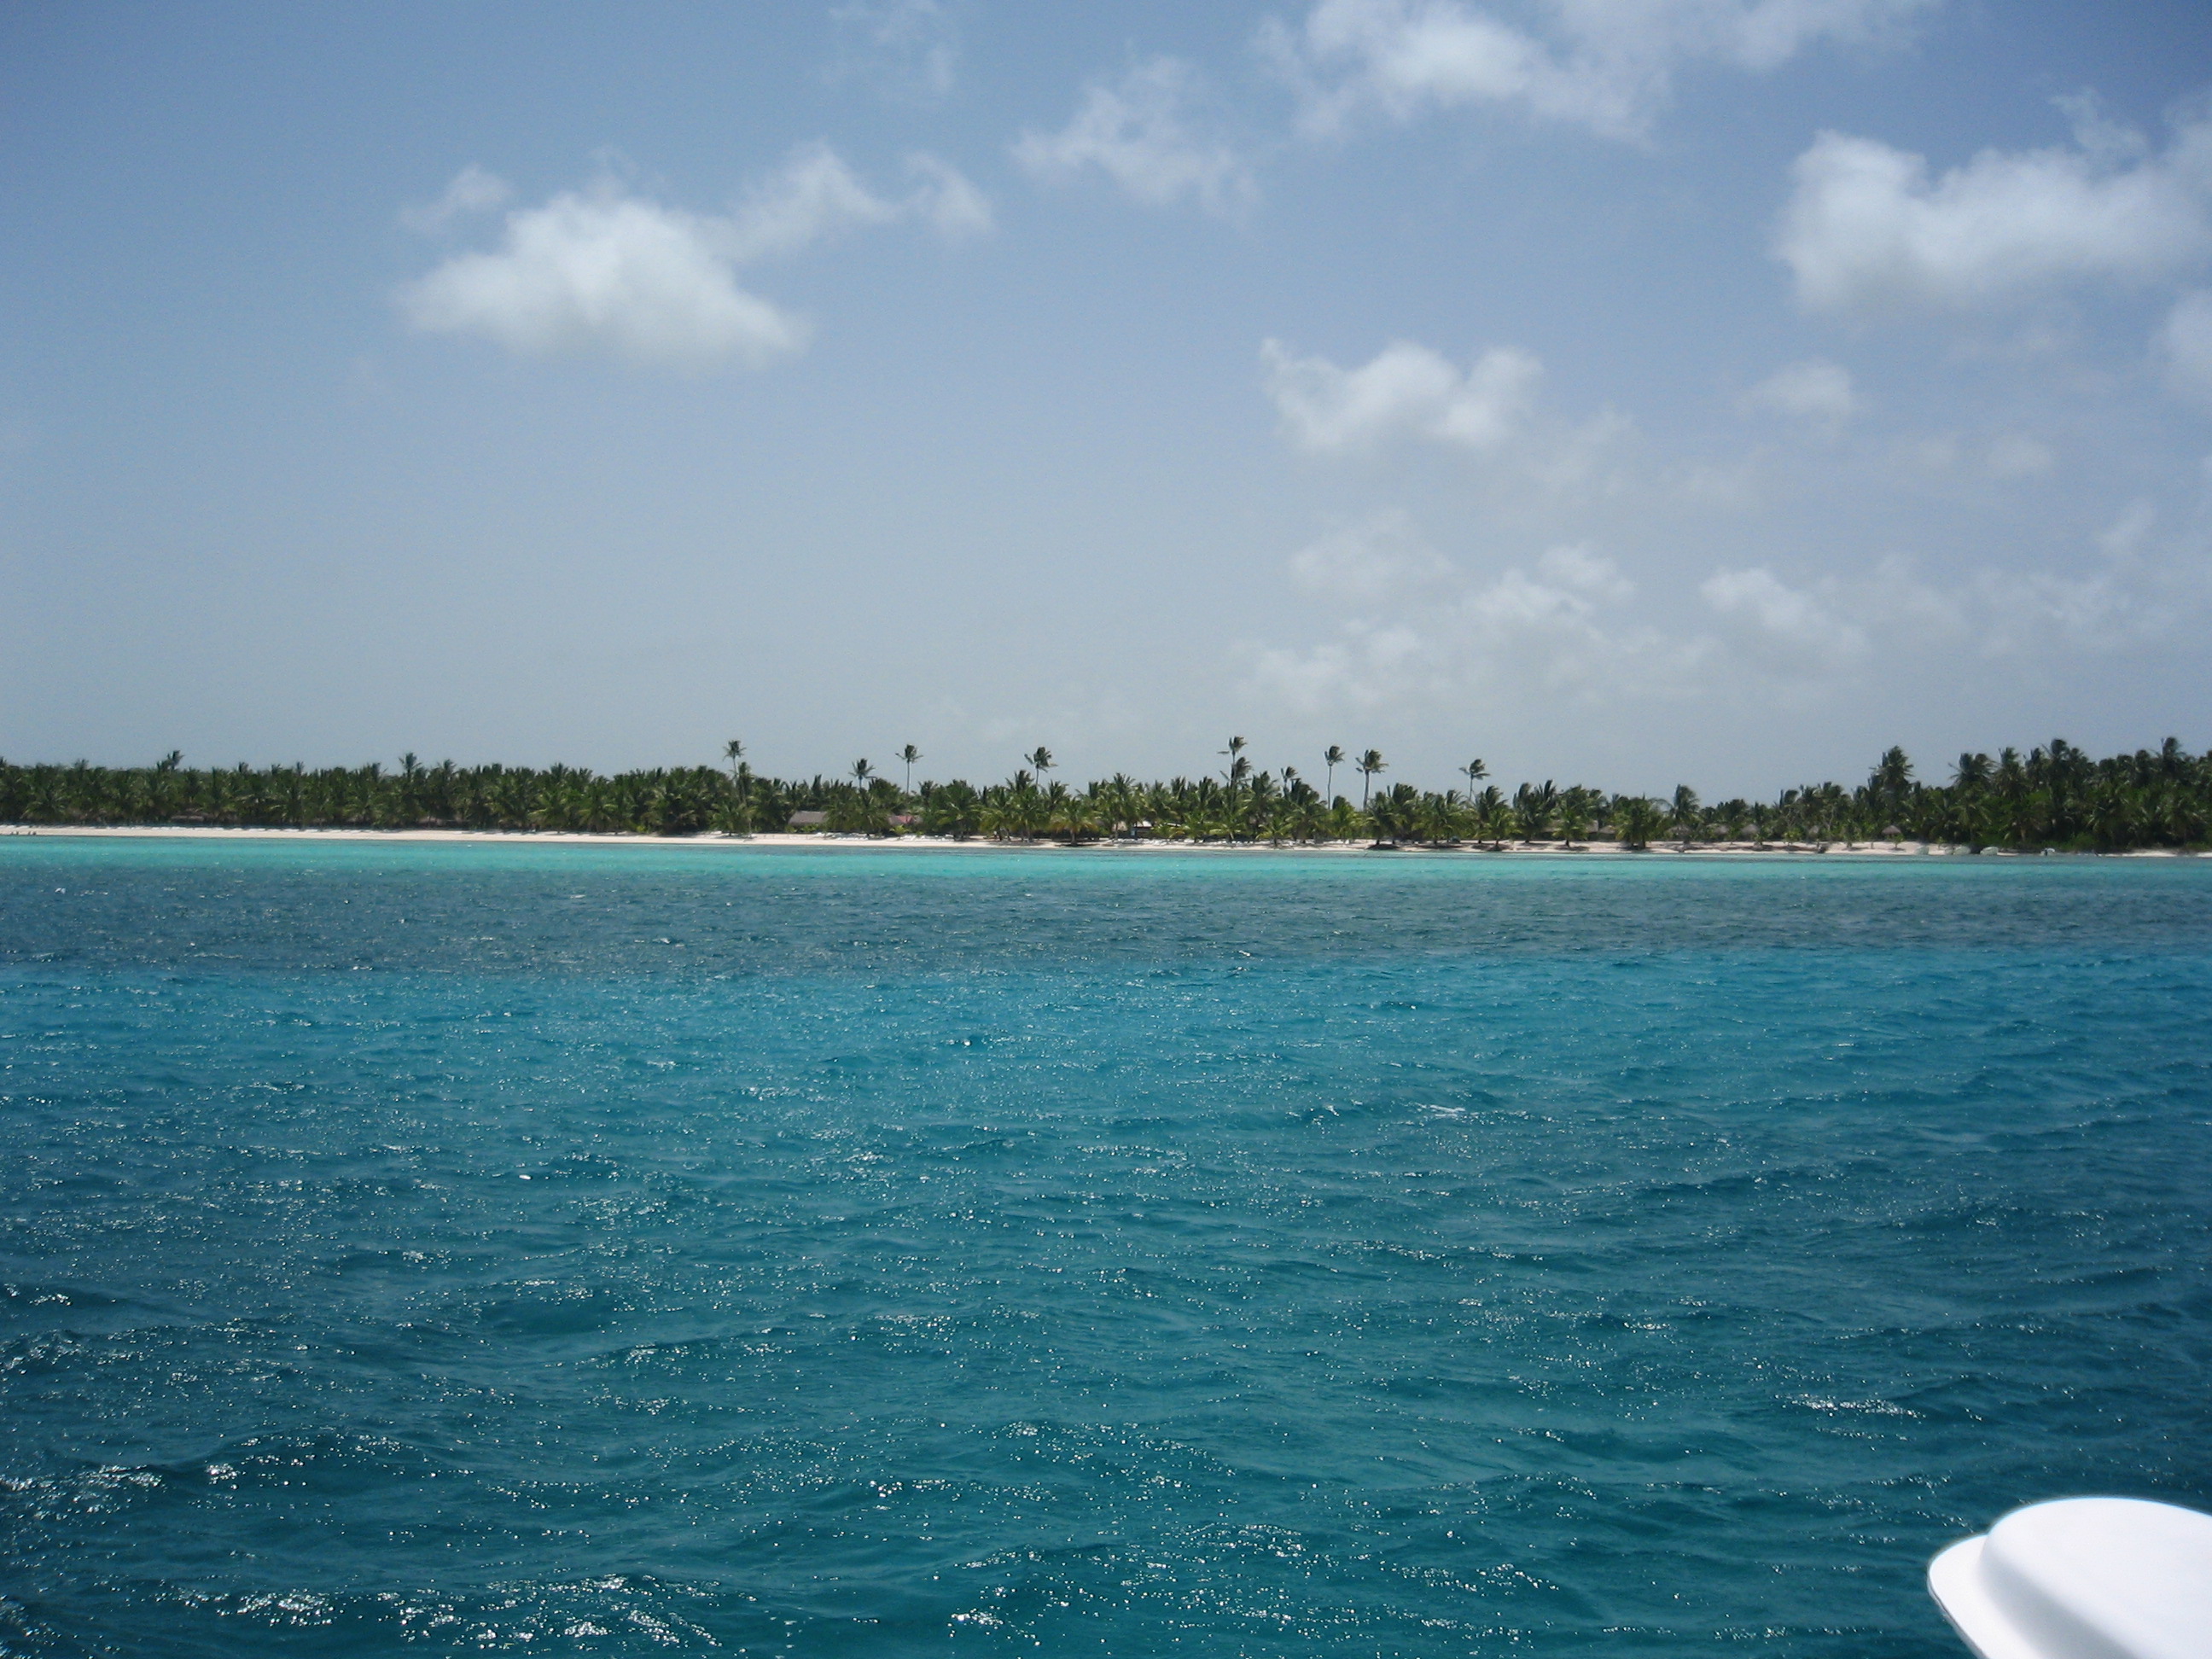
(632, 1250)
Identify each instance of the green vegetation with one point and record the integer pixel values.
(2053, 797)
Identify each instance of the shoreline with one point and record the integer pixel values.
(820, 841)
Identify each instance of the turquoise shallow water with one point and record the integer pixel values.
(550, 1249)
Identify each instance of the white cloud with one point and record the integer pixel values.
(911, 48)
(1590, 576)
(1780, 615)
(1405, 391)
(1867, 227)
(648, 282)
(1816, 389)
(1382, 556)
(2185, 342)
(1369, 667)
(602, 268)
(1557, 631)
(1607, 66)
(813, 195)
(950, 201)
(1572, 627)
(2029, 615)
(472, 191)
(1569, 585)
(1139, 134)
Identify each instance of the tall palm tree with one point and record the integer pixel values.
(1332, 759)
(862, 773)
(1369, 763)
(1890, 784)
(1239, 767)
(1683, 812)
(910, 754)
(1476, 771)
(733, 752)
(1042, 759)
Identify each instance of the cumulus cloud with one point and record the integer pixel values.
(648, 282)
(2185, 342)
(1139, 134)
(1405, 391)
(473, 190)
(1816, 389)
(1868, 227)
(602, 269)
(1607, 66)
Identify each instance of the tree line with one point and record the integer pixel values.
(2055, 796)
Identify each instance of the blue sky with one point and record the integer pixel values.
(1633, 392)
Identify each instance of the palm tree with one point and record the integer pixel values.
(2112, 817)
(862, 773)
(1332, 759)
(1395, 815)
(1890, 784)
(733, 752)
(1239, 767)
(1574, 813)
(1476, 771)
(1683, 812)
(1370, 764)
(1071, 815)
(1535, 806)
(1042, 759)
(910, 754)
(1636, 820)
(951, 810)
(1490, 814)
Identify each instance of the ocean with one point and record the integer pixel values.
(550, 1249)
